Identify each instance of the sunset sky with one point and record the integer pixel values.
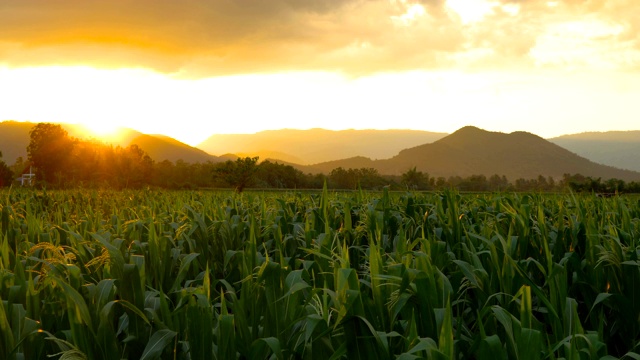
(190, 68)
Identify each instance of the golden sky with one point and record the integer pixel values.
(192, 68)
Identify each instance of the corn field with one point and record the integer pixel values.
(216, 275)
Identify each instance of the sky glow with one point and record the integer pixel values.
(550, 68)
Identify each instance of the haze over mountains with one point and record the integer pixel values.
(468, 151)
(616, 148)
(314, 146)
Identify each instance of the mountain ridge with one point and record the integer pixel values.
(473, 151)
(467, 151)
(15, 134)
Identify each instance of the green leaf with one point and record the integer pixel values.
(600, 298)
(226, 337)
(158, 342)
(529, 344)
(445, 340)
(492, 348)
(424, 344)
(75, 301)
(200, 327)
(182, 273)
(258, 348)
(632, 355)
(135, 310)
(6, 335)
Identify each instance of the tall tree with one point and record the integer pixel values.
(49, 151)
(415, 180)
(238, 174)
(276, 175)
(134, 167)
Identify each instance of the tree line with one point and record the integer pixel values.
(61, 161)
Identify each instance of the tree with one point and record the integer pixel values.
(238, 174)
(6, 175)
(134, 165)
(365, 178)
(614, 186)
(276, 175)
(498, 183)
(18, 167)
(575, 182)
(49, 151)
(416, 180)
(340, 178)
(369, 178)
(441, 183)
(84, 168)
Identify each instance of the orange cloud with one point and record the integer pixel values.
(204, 38)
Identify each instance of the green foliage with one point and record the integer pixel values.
(318, 275)
(279, 176)
(238, 174)
(415, 180)
(64, 162)
(49, 151)
(365, 178)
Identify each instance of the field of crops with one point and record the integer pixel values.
(217, 275)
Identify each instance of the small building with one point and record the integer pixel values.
(27, 179)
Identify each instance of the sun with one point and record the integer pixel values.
(471, 11)
(102, 130)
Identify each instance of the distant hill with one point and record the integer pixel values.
(14, 139)
(161, 147)
(466, 152)
(318, 145)
(470, 151)
(616, 148)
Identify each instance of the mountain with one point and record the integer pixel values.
(467, 151)
(318, 145)
(616, 148)
(470, 151)
(14, 139)
(161, 147)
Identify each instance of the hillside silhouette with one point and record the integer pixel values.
(471, 151)
(14, 139)
(468, 151)
(161, 147)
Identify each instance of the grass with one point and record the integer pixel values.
(194, 275)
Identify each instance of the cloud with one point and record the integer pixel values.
(193, 38)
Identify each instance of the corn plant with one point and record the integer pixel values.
(148, 274)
